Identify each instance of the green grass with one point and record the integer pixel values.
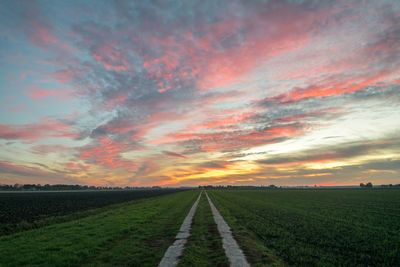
(340, 227)
(204, 246)
(133, 234)
(21, 211)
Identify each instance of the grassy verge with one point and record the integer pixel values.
(134, 234)
(204, 247)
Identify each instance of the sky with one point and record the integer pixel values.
(187, 93)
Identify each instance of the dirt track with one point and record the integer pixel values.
(232, 249)
(171, 256)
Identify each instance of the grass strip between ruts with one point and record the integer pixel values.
(204, 246)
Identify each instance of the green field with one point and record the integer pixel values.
(275, 227)
(347, 227)
(27, 210)
(135, 233)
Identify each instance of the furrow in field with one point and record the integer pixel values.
(171, 256)
(232, 249)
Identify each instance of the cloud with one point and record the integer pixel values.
(41, 33)
(34, 23)
(331, 89)
(7, 167)
(225, 140)
(107, 152)
(174, 155)
(65, 76)
(111, 58)
(334, 153)
(37, 93)
(77, 166)
(44, 129)
(214, 165)
(47, 149)
(23, 173)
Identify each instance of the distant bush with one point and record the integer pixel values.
(367, 185)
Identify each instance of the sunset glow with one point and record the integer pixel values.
(142, 93)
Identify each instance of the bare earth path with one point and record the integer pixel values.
(171, 256)
(232, 249)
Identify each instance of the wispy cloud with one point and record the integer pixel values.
(44, 129)
(174, 155)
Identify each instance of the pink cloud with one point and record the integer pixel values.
(114, 101)
(37, 93)
(222, 120)
(207, 57)
(235, 119)
(78, 166)
(332, 86)
(44, 129)
(20, 169)
(108, 153)
(163, 89)
(65, 76)
(40, 34)
(111, 58)
(232, 139)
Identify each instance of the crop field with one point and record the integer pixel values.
(338, 227)
(130, 234)
(25, 210)
(273, 227)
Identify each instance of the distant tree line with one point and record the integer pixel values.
(61, 187)
(369, 185)
(238, 187)
(250, 187)
(64, 187)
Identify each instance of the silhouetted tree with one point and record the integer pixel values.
(367, 185)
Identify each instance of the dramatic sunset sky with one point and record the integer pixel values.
(179, 93)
